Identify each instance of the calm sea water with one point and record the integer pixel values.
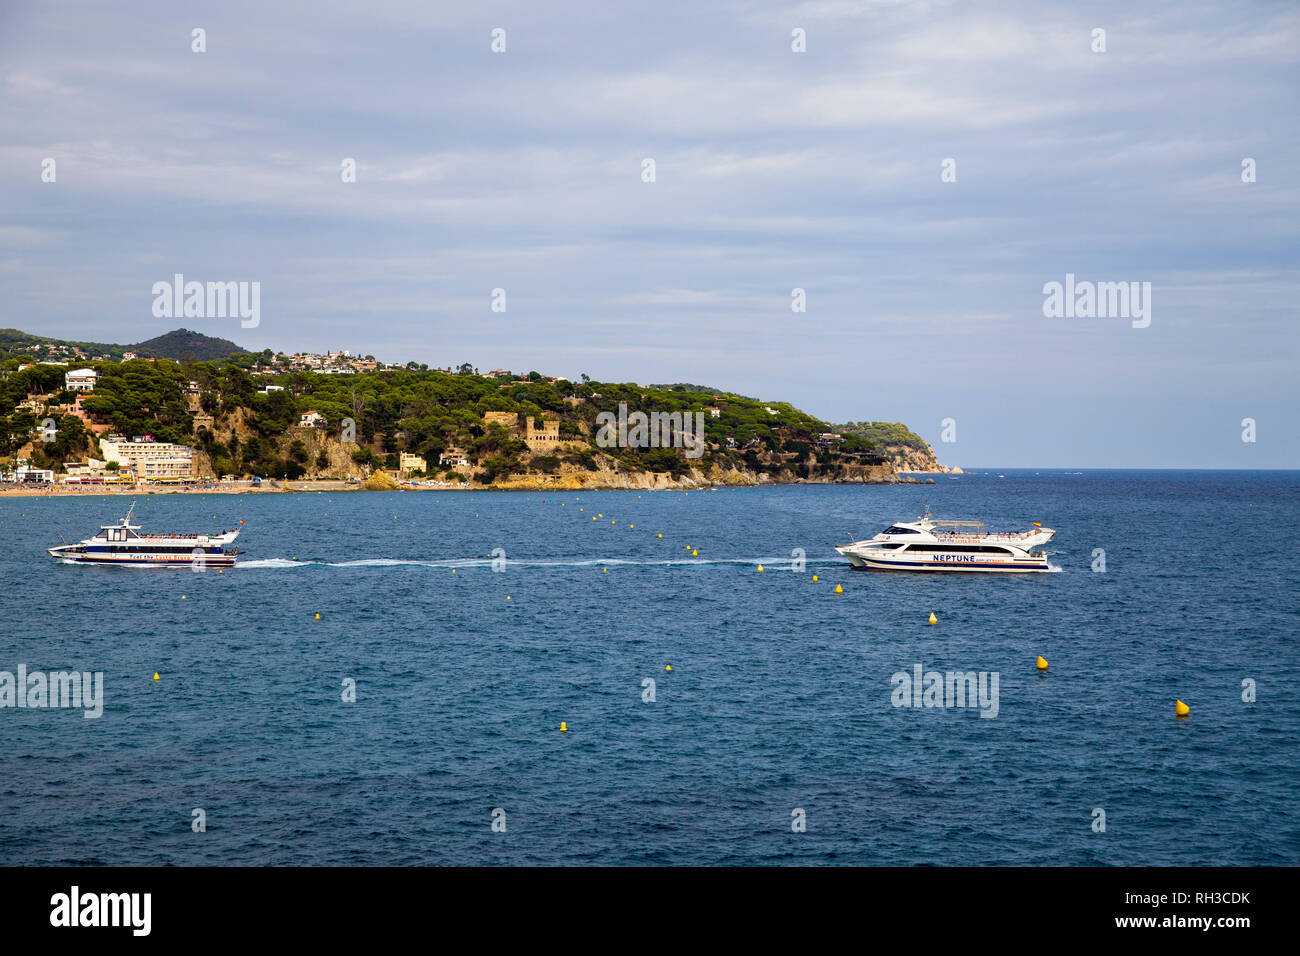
(779, 697)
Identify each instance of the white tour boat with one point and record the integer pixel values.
(919, 546)
(123, 544)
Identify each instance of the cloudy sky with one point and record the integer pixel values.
(774, 170)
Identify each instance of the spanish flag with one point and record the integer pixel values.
(1038, 524)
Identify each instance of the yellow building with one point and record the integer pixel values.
(407, 463)
(539, 437)
(544, 437)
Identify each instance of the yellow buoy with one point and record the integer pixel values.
(563, 727)
(1181, 709)
(182, 597)
(668, 667)
(760, 569)
(611, 521)
(318, 615)
(1042, 662)
(839, 589)
(155, 676)
(814, 579)
(604, 570)
(631, 527)
(933, 619)
(593, 519)
(453, 570)
(695, 554)
(507, 597)
(661, 537)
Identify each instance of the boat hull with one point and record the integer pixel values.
(960, 568)
(942, 563)
(144, 560)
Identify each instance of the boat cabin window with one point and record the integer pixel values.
(897, 530)
(959, 548)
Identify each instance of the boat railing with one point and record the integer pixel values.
(991, 536)
(180, 537)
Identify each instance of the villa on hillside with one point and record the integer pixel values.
(81, 380)
(453, 458)
(407, 463)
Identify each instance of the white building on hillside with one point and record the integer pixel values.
(81, 380)
(148, 459)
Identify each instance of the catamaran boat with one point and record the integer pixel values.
(920, 546)
(123, 544)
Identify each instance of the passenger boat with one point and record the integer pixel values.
(920, 546)
(123, 544)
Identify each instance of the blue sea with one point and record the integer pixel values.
(773, 739)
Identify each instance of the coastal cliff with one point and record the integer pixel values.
(918, 460)
(608, 476)
(344, 418)
(909, 453)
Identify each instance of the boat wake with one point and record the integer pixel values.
(774, 564)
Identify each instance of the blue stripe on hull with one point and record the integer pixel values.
(940, 566)
(223, 562)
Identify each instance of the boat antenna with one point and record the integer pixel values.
(129, 511)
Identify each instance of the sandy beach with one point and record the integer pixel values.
(216, 488)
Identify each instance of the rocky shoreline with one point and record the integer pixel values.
(911, 460)
(576, 481)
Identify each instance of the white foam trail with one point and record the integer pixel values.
(774, 564)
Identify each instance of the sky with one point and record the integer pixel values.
(774, 170)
